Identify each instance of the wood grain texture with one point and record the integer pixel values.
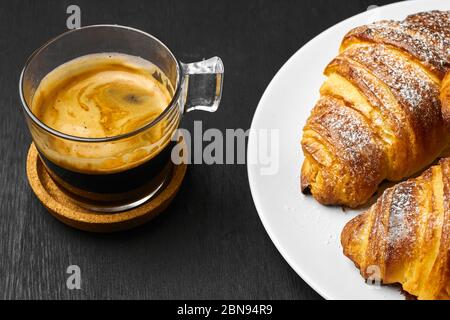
(210, 242)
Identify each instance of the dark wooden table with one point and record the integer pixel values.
(210, 243)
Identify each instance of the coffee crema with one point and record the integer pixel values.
(100, 95)
(103, 95)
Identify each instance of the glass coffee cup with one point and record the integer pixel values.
(122, 170)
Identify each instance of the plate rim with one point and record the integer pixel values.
(251, 142)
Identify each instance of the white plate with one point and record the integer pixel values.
(306, 233)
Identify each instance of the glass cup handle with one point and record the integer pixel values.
(205, 90)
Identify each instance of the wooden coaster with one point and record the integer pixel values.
(58, 202)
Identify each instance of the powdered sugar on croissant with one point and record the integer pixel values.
(405, 235)
(379, 116)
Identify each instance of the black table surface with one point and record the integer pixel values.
(210, 243)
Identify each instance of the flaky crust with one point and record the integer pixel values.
(379, 115)
(405, 235)
(445, 97)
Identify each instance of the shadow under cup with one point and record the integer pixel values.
(139, 162)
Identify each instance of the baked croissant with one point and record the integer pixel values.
(379, 115)
(405, 235)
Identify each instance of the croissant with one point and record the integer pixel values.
(379, 115)
(405, 236)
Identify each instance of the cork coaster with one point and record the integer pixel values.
(58, 202)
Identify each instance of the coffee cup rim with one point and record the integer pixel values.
(63, 135)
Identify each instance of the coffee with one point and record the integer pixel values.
(100, 96)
